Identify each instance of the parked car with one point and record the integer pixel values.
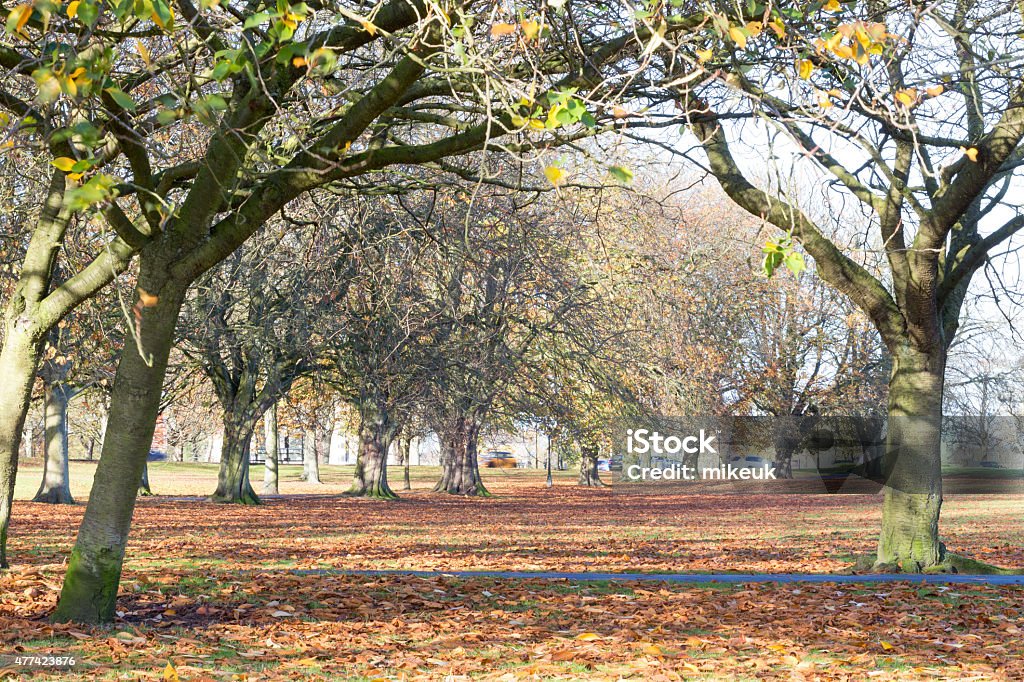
(500, 460)
(750, 462)
(991, 465)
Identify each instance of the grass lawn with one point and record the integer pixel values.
(209, 587)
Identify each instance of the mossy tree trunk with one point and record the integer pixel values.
(55, 487)
(909, 540)
(89, 593)
(270, 471)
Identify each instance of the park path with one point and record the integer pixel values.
(699, 578)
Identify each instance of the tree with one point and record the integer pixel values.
(386, 327)
(78, 355)
(39, 299)
(913, 113)
(251, 326)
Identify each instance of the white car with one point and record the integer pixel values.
(750, 462)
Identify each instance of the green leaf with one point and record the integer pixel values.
(621, 173)
(98, 188)
(122, 99)
(795, 262)
(256, 19)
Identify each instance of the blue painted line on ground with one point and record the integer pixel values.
(700, 578)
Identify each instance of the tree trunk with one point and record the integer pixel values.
(787, 439)
(406, 447)
(55, 487)
(460, 471)
(90, 586)
(144, 489)
(371, 474)
(270, 475)
(588, 466)
(323, 444)
(909, 539)
(310, 463)
(233, 484)
(19, 359)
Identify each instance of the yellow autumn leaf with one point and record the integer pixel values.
(298, 61)
(703, 55)
(368, 26)
(804, 68)
(73, 9)
(588, 636)
(653, 650)
(63, 163)
(555, 175)
(498, 30)
(143, 52)
(907, 97)
(935, 90)
(886, 645)
(832, 6)
(530, 29)
(778, 27)
(843, 52)
(971, 153)
(738, 37)
(170, 674)
(23, 13)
